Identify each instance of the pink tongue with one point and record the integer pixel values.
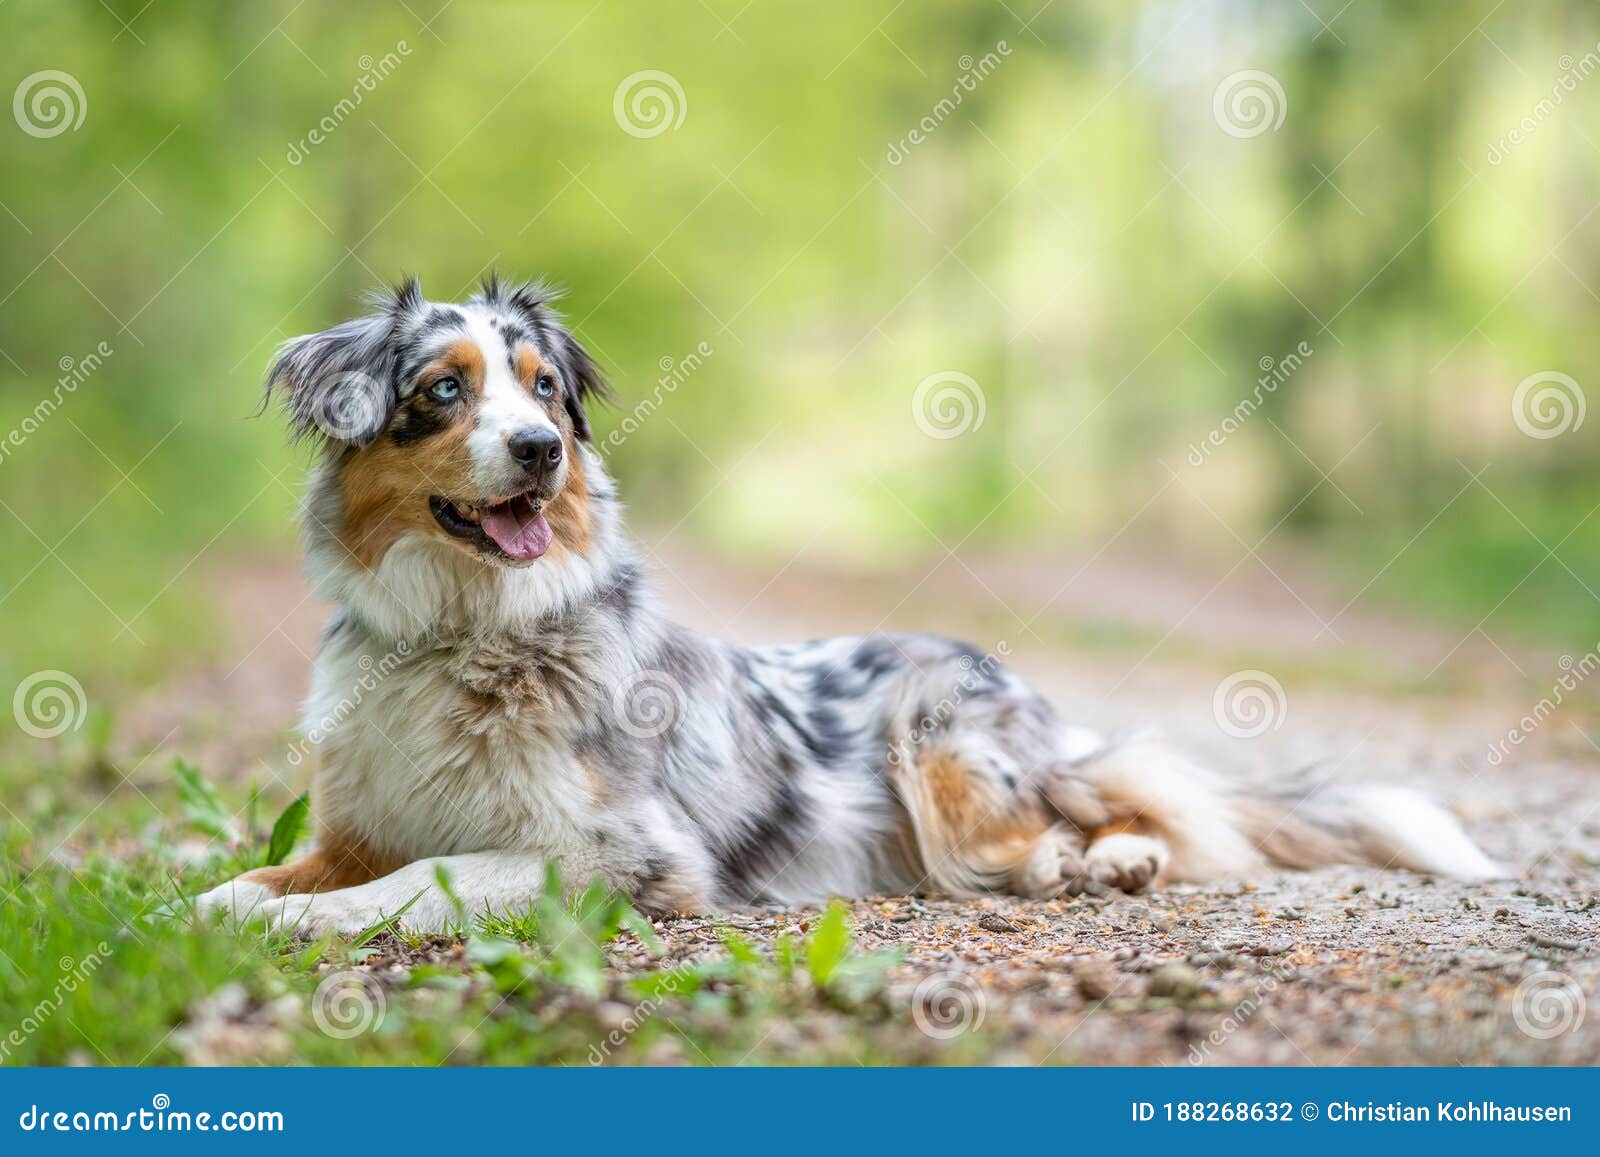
(517, 530)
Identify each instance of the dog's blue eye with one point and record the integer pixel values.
(445, 388)
(545, 386)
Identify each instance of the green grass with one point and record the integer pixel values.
(100, 963)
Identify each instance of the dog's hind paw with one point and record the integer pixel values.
(1055, 867)
(1128, 862)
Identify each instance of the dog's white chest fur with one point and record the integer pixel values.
(424, 756)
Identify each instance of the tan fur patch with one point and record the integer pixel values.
(970, 830)
(339, 861)
(1131, 825)
(464, 358)
(528, 364)
(568, 513)
(386, 490)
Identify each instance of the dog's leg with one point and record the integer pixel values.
(481, 882)
(337, 862)
(975, 832)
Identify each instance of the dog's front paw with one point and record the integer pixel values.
(238, 900)
(1126, 861)
(310, 915)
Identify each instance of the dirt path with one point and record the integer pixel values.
(1339, 966)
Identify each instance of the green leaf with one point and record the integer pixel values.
(738, 947)
(286, 831)
(387, 923)
(680, 981)
(829, 944)
(441, 876)
(203, 805)
(783, 951)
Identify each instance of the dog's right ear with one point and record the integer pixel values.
(340, 384)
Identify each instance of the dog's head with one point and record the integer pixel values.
(460, 422)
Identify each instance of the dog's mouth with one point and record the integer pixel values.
(513, 527)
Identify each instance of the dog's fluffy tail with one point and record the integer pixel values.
(1214, 828)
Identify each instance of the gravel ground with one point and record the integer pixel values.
(1337, 966)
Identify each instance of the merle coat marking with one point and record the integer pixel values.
(491, 697)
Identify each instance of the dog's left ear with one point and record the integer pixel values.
(340, 383)
(582, 376)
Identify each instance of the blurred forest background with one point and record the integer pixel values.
(804, 231)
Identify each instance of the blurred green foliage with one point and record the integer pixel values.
(1079, 236)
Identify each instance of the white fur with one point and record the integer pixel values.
(505, 407)
(240, 899)
(1126, 859)
(483, 882)
(1410, 829)
(424, 584)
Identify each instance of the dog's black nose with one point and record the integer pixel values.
(536, 448)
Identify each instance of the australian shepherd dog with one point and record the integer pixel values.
(498, 691)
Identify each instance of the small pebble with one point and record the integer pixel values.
(1175, 980)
